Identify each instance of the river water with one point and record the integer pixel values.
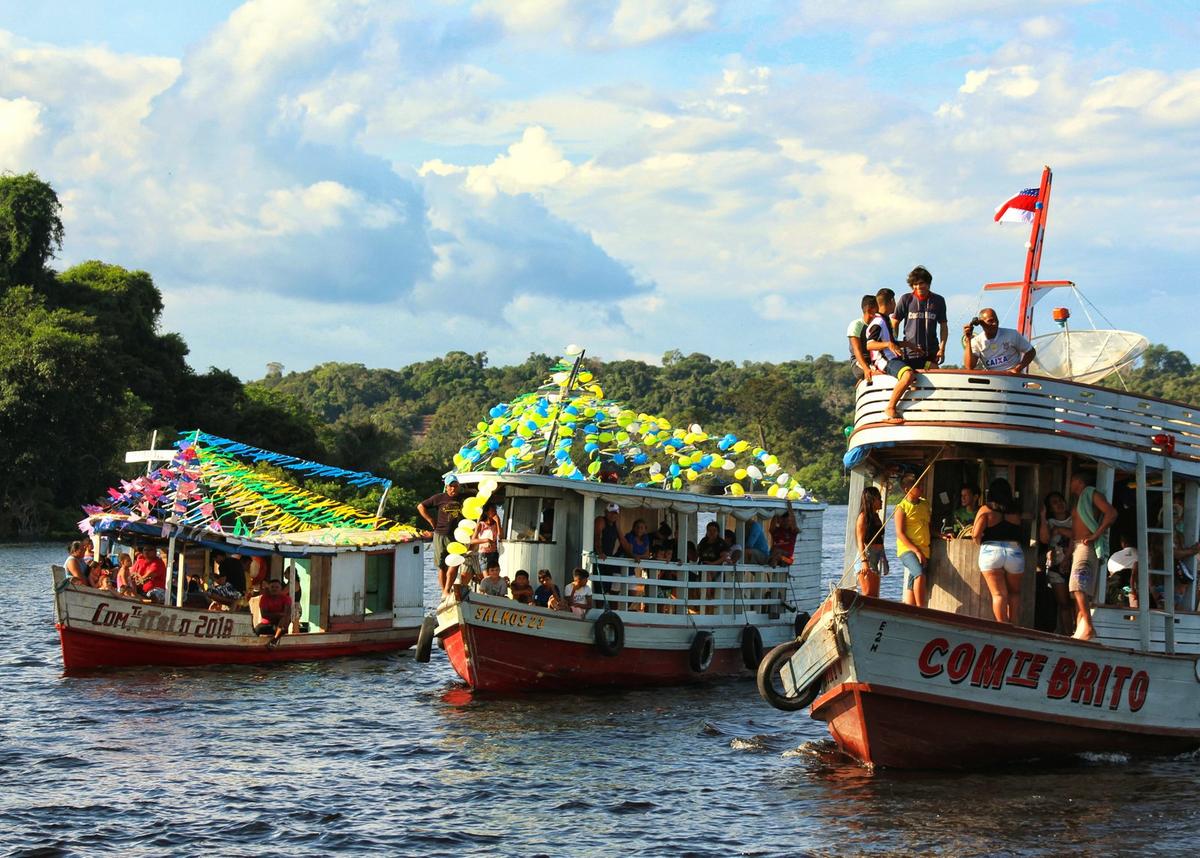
(386, 756)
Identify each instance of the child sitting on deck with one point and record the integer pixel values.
(578, 594)
(492, 584)
(521, 589)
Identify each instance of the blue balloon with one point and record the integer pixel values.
(641, 459)
(506, 429)
(570, 409)
(529, 424)
(518, 442)
(618, 459)
(724, 444)
(705, 462)
(591, 447)
(591, 427)
(497, 411)
(673, 470)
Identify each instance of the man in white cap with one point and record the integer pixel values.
(448, 506)
(610, 541)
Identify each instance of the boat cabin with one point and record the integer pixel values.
(550, 523)
(965, 428)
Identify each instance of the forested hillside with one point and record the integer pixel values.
(86, 373)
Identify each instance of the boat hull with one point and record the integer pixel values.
(98, 630)
(496, 645)
(914, 688)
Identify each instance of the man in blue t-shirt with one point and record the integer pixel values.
(924, 315)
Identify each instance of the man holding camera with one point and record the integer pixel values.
(995, 349)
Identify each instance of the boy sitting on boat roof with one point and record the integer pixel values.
(886, 355)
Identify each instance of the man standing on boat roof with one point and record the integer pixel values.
(1094, 515)
(924, 315)
(995, 349)
(448, 506)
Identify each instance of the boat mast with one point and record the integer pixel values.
(1033, 260)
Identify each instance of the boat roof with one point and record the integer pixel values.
(567, 428)
(743, 507)
(217, 489)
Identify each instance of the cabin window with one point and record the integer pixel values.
(531, 519)
(377, 594)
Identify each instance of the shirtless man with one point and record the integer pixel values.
(1092, 517)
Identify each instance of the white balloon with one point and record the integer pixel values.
(572, 349)
(754, 472)
(695, 429)
(466, 524)
(772, 468)
(488, 485)
(656, 468)
(728, 465)
(453, 560)
(782, 479)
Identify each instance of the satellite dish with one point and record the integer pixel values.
(1086, 356)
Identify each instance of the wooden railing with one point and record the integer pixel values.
(731, 591)
(1028, 408)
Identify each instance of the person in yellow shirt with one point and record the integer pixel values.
(912, 540)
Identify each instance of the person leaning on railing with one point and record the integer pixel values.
(995, 349)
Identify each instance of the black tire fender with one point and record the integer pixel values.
(701, 654)
(767, 670)
(800, 622)
(609, 632)
(752, 646)
(425, 639)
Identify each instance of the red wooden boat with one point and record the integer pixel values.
(356, 579)
(947, 686)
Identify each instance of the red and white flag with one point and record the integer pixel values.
(1020, 209)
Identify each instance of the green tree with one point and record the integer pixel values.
(30, 229)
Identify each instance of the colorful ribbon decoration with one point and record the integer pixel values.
(207, 486)
(566, 427)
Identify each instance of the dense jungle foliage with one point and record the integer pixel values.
(86, 374)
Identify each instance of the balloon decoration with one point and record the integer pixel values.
(208, 486)
(568, 429)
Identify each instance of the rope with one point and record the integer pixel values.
(846, 577)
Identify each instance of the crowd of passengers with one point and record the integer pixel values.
(233, 581)
(876, 349)
(1072, 540)
(480, 569)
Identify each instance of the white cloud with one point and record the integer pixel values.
(601, 23)
(20, 127)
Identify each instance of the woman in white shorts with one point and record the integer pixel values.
(998, 532)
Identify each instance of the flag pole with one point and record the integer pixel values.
(1033, 257)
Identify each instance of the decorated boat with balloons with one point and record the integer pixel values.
(228, 523)
(585, 483)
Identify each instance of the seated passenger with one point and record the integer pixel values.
(1054, 532)
(222, 595)
(886, 353)
(860, 361)
(124, 575)
(492, 584)
(96, 573)
(639, 540)
(783, 538)
(76, 568)
(712, 546)
(520, 589)
(275, 608)
(193, 596)
(758, 550)
(546, 589)
(578, 594)
(995, 349)
(733, 549)
(1122, 572)
(557, 603)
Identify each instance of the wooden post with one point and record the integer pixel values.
(1143, 543)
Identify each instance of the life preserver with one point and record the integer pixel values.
(766, 676)
(752, 646)
(425, 639)
(609, 633)
(701, 654)
(800, 622)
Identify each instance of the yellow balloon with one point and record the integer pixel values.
(736, 489)
(691, 475)
(657, 478)
(740, 446)
(739, 474)
(498, 462)
(456, 548)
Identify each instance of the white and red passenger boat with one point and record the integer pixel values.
(946, 686)
(554, 462)
(356, 578)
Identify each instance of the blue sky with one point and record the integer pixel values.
(315, 180)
